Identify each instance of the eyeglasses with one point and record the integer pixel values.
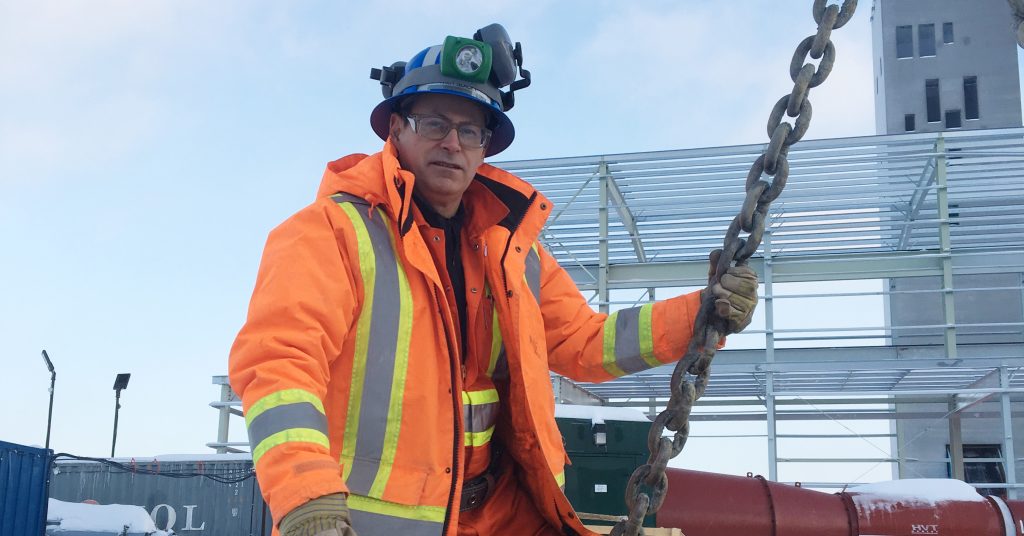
(435, 127)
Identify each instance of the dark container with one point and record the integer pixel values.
(23, 489)
(605, 446)
(196, 505)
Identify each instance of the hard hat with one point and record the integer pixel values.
(475, 69)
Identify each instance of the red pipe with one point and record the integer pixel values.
(709, 504)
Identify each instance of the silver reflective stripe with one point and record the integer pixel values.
(380, 360)
(533, 272)
(628, 356)
(478, 418)
(373, 524)
(288, 416)
(479, 410)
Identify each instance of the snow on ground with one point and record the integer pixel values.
(67, 516)
(921, 490)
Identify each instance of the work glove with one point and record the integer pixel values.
(735, 293)
(323, 516)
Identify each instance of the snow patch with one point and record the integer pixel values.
(929, 491)
(67, 516)
(599, 414)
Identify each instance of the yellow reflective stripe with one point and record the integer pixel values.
(560, 479)
(404, 511)
(280, 398)
(367, 270)
(294, 435)
(647, 336)
(608, 354)
(487, 396)
(478, 439)
(401, 370)
(495, 344)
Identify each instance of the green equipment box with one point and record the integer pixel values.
(605, 445)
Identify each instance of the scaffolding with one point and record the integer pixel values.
(632, 227)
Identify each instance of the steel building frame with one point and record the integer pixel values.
(867, 208)
(853, 209)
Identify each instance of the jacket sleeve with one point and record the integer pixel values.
(302, 307)
(594, 347)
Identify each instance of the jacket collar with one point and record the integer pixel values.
(380, 180)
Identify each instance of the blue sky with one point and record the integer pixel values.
(147, 148)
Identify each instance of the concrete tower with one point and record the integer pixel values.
(944, 64)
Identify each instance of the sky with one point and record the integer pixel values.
(147, 148)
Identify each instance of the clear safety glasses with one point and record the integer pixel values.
(436, 128)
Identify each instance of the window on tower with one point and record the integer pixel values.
(971, 97)
(947, 33)
(931, 99)
(953, 119)
(926, 39)
(904, 41)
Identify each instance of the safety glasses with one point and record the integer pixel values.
(436, 128)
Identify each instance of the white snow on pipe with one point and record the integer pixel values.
(920, 490)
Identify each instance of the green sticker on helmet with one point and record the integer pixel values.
(466, 59)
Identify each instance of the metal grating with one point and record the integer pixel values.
(852, 195)
(853, 208)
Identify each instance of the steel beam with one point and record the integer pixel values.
(603, 266)
(1008, 447)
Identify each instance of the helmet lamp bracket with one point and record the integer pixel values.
(388, 77)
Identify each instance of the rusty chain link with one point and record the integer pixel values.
(648, 485)
(1018, 17)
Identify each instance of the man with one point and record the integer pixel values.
(394, 364)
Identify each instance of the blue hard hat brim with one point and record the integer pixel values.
(501, 137)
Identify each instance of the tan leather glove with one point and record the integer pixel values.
(735, 293)
(323, 516)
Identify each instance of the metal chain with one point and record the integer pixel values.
(1018, 17)
(647, 487)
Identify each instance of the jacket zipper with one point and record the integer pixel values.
(457, 416)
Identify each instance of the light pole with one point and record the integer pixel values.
(120, 383)
(53, 381)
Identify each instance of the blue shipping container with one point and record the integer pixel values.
(24, 486)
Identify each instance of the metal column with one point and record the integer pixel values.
(602, 215)
(956, 442)
(225, 419)
(1008, 453)
(945, 245)
(769, 346)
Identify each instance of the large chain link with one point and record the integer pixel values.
(1018, 16)
(647, 487)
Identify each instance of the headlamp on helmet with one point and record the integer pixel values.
(466, 59)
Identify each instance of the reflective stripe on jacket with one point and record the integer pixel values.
(348, 369)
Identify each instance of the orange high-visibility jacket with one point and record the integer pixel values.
(347, 364)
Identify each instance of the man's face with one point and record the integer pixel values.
(443, 168)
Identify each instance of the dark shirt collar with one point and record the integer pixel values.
(436, 220)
